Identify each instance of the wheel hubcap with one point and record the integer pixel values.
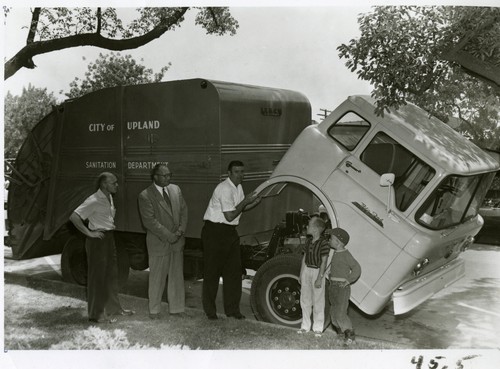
(284, 296)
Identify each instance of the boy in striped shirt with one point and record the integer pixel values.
(312, 271)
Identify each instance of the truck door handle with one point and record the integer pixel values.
(348, 164)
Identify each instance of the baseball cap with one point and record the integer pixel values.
(341, 234)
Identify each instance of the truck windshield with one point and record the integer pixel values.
(455, 201)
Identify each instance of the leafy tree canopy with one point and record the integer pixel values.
(112, 70)
(53, 29)
(22, 113)
(444, 59)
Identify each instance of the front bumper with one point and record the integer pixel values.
(416, 291)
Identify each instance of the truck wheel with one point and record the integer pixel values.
(74, 261)
(134, 246)
(275, 293)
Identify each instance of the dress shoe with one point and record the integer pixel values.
(180, 315)
(212, 317)
(238, 316)
(349, 337)
(125, 312)
(154, 316)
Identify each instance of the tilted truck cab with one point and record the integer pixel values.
(405, 186)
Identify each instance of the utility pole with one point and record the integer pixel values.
(324, 113)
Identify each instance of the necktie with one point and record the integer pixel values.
(167, 199)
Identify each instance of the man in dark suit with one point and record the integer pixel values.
(164, 215)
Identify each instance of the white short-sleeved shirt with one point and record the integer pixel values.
(99, 211)
(225, 198)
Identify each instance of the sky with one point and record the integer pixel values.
(285, 47)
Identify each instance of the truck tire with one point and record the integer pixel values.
(74, 261)
(275, 292)
(133, 248)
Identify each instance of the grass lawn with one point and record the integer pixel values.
(36, 319)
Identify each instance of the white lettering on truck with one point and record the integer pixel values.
(144, 164)
(101, 127)
(147, 124)
(96, 127)
(100, 165)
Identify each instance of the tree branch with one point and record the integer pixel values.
(99, 21)
(24, 56)
(213, 16)
(33, 25)
(477, 68)
(470, 35)
(461, 118)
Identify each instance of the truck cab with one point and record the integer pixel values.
(405, 186)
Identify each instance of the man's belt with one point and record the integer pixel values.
(220, 224)
(102, 230)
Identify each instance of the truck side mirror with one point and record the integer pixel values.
(387, 180)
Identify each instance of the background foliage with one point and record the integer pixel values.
(22, 113)
(422, 55)
(110, 70)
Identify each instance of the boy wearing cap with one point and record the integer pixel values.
(344, 271)
(312, 272)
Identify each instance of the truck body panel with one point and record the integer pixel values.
(197, 126)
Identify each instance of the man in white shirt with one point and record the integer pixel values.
(102, 280)
(221, 243)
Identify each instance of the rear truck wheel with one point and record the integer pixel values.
(74, 261)
(133, 247)
(275, 292)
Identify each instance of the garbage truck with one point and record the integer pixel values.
(196, 126)
(405, 186)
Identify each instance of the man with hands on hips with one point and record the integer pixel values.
(102, 276)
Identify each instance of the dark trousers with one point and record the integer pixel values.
(221, 258)
(339, 300)
(102, 279)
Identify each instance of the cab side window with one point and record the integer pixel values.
(385, 155)
(349, 130)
